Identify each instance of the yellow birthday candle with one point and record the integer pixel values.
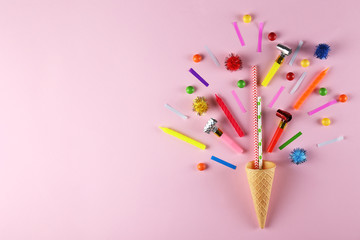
(184, 138)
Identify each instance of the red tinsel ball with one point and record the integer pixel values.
(233, 62)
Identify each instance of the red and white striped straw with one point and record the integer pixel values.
(254, 96)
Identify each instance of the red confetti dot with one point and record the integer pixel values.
(290, 76)
(197, 58)
(201, 166)
(272, 36)
(343, 98)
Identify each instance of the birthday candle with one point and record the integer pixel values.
(310, 89)
(184, 138)
(229, 116)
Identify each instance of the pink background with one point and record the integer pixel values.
(82, 89)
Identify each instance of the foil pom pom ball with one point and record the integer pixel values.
(298, 156)
(322, 51)
(233, 62)
(200, 105)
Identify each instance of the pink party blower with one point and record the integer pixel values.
(211, 127)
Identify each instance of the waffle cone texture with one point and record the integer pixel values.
(260, 182)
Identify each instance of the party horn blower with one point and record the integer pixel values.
(211, 127)
(284, 51)
(260, 182)
(285, 118)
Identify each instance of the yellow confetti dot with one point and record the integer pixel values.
(247, 18)
(305, 63)
(325, 121)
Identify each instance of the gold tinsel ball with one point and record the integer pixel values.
(200, 105)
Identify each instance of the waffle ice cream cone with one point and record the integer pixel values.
(260, 182)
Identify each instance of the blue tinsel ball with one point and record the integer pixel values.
(298, 155)
(322, 51)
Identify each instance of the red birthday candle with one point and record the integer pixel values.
(229, 116)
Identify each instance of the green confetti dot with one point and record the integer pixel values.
(241, 83)
(190, 89)
(258, 103)
(259, 129)
(260, 157)
(322, 91)
(259, 143)
(259, 116)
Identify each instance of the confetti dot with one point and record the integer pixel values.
(272, 36)
(305, 63)
(290, 76)
(326, 121)
(197, 58)
(247, 18)
(322, 91)
(241, 83)
(190, 89)
(343, 98)
(201, 166)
